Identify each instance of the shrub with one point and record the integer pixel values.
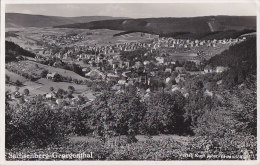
(7, 78)
(26, 92)
(198, 148)
(44, 73)
(33, 125)
(18, 83)
(117, 114)
(79, 120)
(71, 89)
(164, 113)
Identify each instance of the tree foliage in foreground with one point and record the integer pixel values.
(117, 114)
(164, 114)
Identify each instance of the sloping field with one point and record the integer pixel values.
(32, 86)
(190, 54)
(105, 37)
(31, 67)
(42, 86)
(135, 37)
(14, 77)
(93, 37)
(79, 89)
(183, 56)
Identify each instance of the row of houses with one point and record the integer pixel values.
(81, 52)
(187, 43)
(218, 69)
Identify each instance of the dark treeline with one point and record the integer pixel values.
(13, 50)
(207, 36)
(129, 32)
(240, 58)
(201, 36)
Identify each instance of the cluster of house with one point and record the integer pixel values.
(50, 99)
(61, 39)
(218, 69)
(53, 76)
(186, 43)
(125, 72)
(82, 51)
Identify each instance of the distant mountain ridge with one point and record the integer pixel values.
(206, 27)
(28, 20)
(196, 25)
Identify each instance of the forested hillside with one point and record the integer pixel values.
(13, 50)
(193, 27)
(240, 58)
(28, 20)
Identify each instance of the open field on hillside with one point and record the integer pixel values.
(42, 86)
(183, 56)
(92, 37)
(190, 54)
(14, 77)
(32, 67)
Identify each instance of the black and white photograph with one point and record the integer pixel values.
(132, 81)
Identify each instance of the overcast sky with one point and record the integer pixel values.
(136, 10)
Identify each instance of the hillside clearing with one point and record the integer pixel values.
(42, 86)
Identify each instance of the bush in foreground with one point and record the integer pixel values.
(33, 125)
(198, 148)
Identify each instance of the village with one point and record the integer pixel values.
(115, 81)
(158, 63)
